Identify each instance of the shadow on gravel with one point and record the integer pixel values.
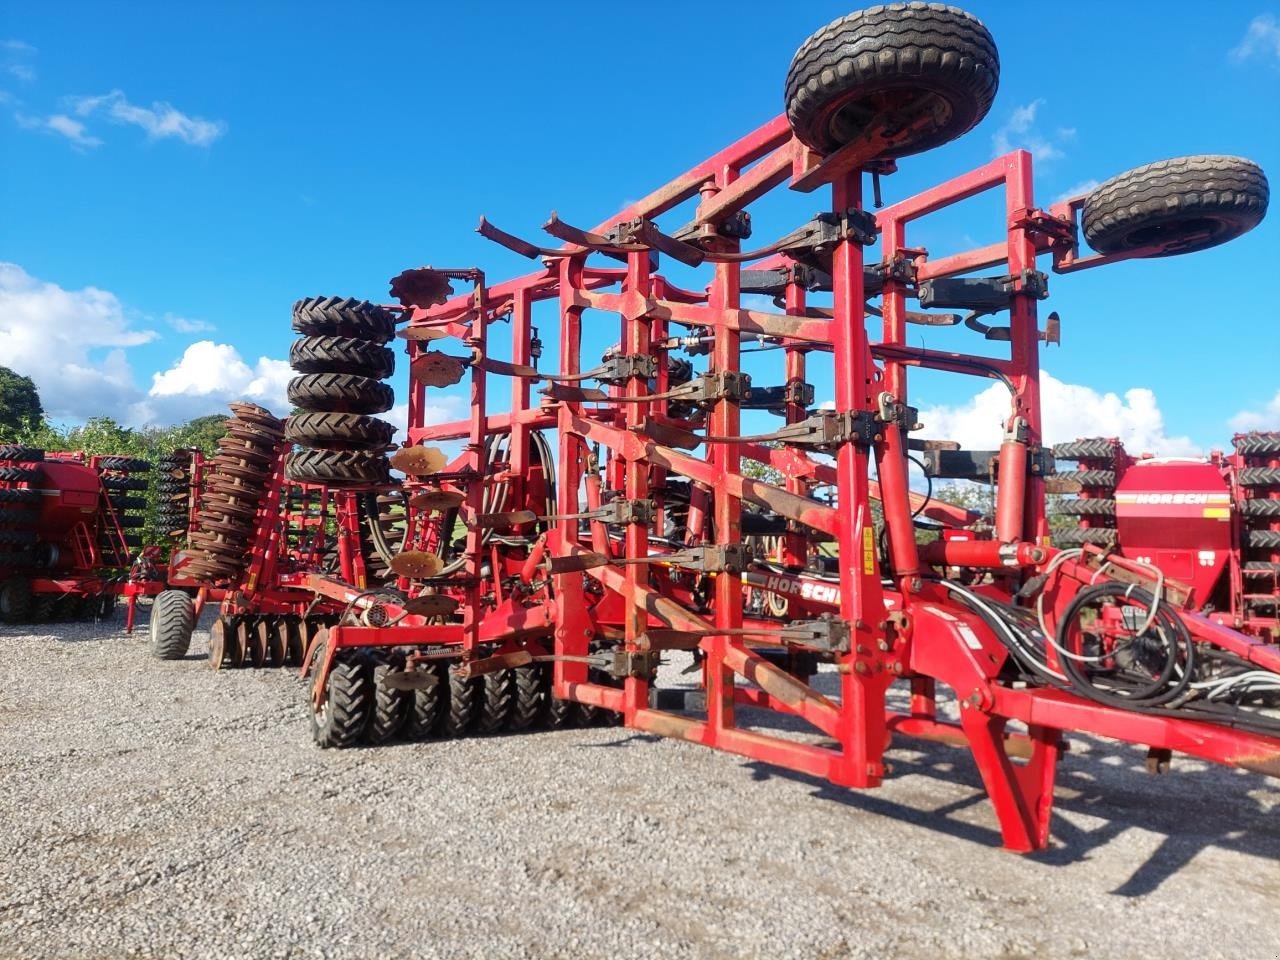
(1195, 810)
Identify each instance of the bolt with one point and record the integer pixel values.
(916, 585)
(882, 645)
(859, 667)
(860, 649)
(897, 668)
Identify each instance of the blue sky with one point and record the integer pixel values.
(178, 174)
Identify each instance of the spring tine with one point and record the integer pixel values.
(583, 238)
(515, 244)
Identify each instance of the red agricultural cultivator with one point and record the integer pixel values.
(603, 511)
(1210, 524)
(70, 534)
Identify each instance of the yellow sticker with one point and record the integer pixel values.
(1217, 513)
(253, 582)
(868, 551)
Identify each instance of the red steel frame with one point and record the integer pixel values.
(902, 625)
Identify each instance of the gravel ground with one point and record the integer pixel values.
(157, 809)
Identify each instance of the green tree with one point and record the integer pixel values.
(19, 403)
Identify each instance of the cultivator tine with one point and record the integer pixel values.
(642, 232)
(567, 394)
(583, 238)
(502, 661)
(502, 368)
(669, 435)
(511, 518)
(578, 562)
(422, 332)
(516, 245)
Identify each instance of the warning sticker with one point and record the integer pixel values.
(868, 551)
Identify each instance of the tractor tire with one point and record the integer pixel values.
(16, 453)
(18, 538)
(428, 709)
(21, 519)
(15, 600)
(339, 431)
(1255, 444)
(124, 483)
(558, 714)
(173, 619)
(464, 696)
(1100, 536)
(337, 468)
(174, 486)
(1262, 539)
(1088, 478)
(341, 393)
(20, 474)
(1087, 448)
(1177, 206)
(20, 496)
(124, 464)
(1258, 569)
(42, 607)
(1260, 508)
(132, 521)
(342, 355)
(528, 701)
(348, 706)
(497, 697)
(862, 68)
(390, 707)
(343, 317)
(128, 503)
(1093, 507)
(1258, 476)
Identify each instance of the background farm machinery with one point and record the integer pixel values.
(70, 537)
(1212, 524)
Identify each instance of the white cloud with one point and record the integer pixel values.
(55, 336)
(1268, 418)
(209, 375)
(160, 120)
(1068, 410)
(1084, 186)
(1019, 131)
(187, 325)
(16, 56)
(62, 125)
(1262, 39)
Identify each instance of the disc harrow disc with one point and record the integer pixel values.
(252, 413)
(421, 287)
(416, 565)
(437, 499)
(419, 461)
(438, 369)
(431, 605)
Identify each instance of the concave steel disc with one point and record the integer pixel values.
(419, 461)
(431, 605)
(416, 565)
(437, 499)
(437, 369)
(421, 287)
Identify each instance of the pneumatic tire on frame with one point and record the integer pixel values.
(342, 317)
(348, 704)
(337, 468)
(173, 618)
(1176, 206)
(923, 72)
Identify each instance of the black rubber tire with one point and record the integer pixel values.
(1257, 569)
(20, 496)
(339, 431)
(20, 474)
(1258, 476)
(17, 538)
(16, 453)
(528, 701)
(1254, 444)
(1100, 536)
(840, 76)
(1178, 205)
(348, 704)
(497, 696)
(1087, 448)
(557, 714)
(341, 393)
(1093, 507)
(464, 697)
(427, 711)
(1262, 539)
(1260, 508)
(337, 468)
(21, 519)
(15, 600)
(173, 619)
(390, 707)
(173, 486)
(1089, 478)
(124, 483)
(42, 607)
(343, 317)
(128, 503)
(130, 521)
(342, 355)
(124, 464)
